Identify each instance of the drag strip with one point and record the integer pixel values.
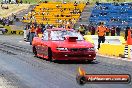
(34, 72)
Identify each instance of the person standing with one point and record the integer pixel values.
(82, 29)
(101, 29)
(107, 31)
(38, 30)
(25, 32)
(126, 32)
(118, 29)
(28, 32)
(113, 31)
(92, 29)
(32, 33)
(43, 27)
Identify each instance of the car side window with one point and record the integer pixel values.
(45, 36)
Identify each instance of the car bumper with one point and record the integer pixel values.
(74, 56)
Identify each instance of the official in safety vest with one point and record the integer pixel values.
(32, 33)
(101, 29)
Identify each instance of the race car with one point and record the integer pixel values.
(63, 44)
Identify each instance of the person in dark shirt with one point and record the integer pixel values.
(126, 32)
(93, 30)
(107, 31)
(113, 31)
(118, 29)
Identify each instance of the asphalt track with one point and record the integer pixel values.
(20, 69)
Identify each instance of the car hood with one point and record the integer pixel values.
(78, 44)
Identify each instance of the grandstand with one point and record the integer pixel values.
(55, 13)
(113, 14)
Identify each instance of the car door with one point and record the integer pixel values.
(44, 42)
(38, 47)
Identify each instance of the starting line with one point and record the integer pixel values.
(112, 57)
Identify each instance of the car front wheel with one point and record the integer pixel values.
(50, 54)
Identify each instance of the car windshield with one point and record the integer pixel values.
(61, 34)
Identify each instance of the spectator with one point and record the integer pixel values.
(113, 31)
(50, 27)
(80, 18)
(101, 29)
(97, 3)
(28, 32)
(35, 24)
(118, 29)
(1, 5)
(68, 25)
(87, 3)
(38, 30)
(75, 3)
(32, 33)
(126, 32)
(86, 27)
(21, 1)
(92, 29)
(107, 31)
(14, 16)
(25, 32)
(42, 27)
(17, 1)
(82, 29)
(47, 25)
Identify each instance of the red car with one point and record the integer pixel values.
(63, 44)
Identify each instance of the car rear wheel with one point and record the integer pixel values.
(50, 54)
(34, 51)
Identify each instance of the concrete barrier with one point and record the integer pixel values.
(112, 49)
(113, 46)
(10, 31)
(109, 39)
(17, 32)
(89, 38)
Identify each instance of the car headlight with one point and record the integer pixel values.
(91, 49)
(62, 49)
